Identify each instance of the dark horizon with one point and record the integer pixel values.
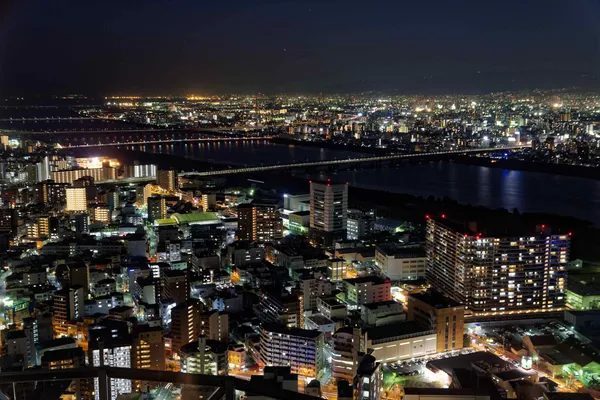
(140, 47)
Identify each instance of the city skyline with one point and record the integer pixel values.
(416, 216)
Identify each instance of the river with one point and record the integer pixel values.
(468, 184)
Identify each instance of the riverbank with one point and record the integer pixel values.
(330, 146)
(411, 208)
(510, 164)
(388, 204)
(517, 165)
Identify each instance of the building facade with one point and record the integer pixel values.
(435, 311)
(496, 273)
(300, 349)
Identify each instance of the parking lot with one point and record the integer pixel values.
(416, 366)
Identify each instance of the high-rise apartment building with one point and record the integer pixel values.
(101, 213)
(214, 325)
(79, 275)
(347, 343)
(175, 285)
(76, 199)
(157, 208)
(148, 350)
(139, 171)
(43, 169)
(313, 286)
(328, 211)
(167, 179)
(116, 353)
(301, 349)
(209, 200)
(71, 175)
(497, 273)
(185, 323)
(259, 221)
(433, 310)
(68, 306)
(50, 192)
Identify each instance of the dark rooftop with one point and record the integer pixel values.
(62, 354)
(399, 251)
(583, 289)
(568, 396)
(376, 280)
(215, 346)
(434, 299)
(465, 361)
(277, 328)
(396, 329)
(375, 306)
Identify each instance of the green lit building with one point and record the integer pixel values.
(299, 223)
(582, 296)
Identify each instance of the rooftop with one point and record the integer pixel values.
(200, 217)
(62, 354)
(166, 221)
(465, 361)
(374, 279)
(375, 306)
(435, 299)
(398, 251)
(396, 329)
(214, 345)
(583, 289)
(277, 328)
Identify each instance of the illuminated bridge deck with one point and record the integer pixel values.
(348, 161)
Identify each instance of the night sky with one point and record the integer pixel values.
(222, 46)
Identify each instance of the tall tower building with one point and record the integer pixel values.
(68, 306)
(185, 323)
(497, 273)
(167, 179)
(328, 211)
(43, 169)
(76, 199)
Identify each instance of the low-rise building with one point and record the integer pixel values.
(401, 263)
(400, 341)
(382, 313)
(367, 289)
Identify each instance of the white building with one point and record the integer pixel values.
(328, 206)
(400, 341)
(401, 263)
(367, 289)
